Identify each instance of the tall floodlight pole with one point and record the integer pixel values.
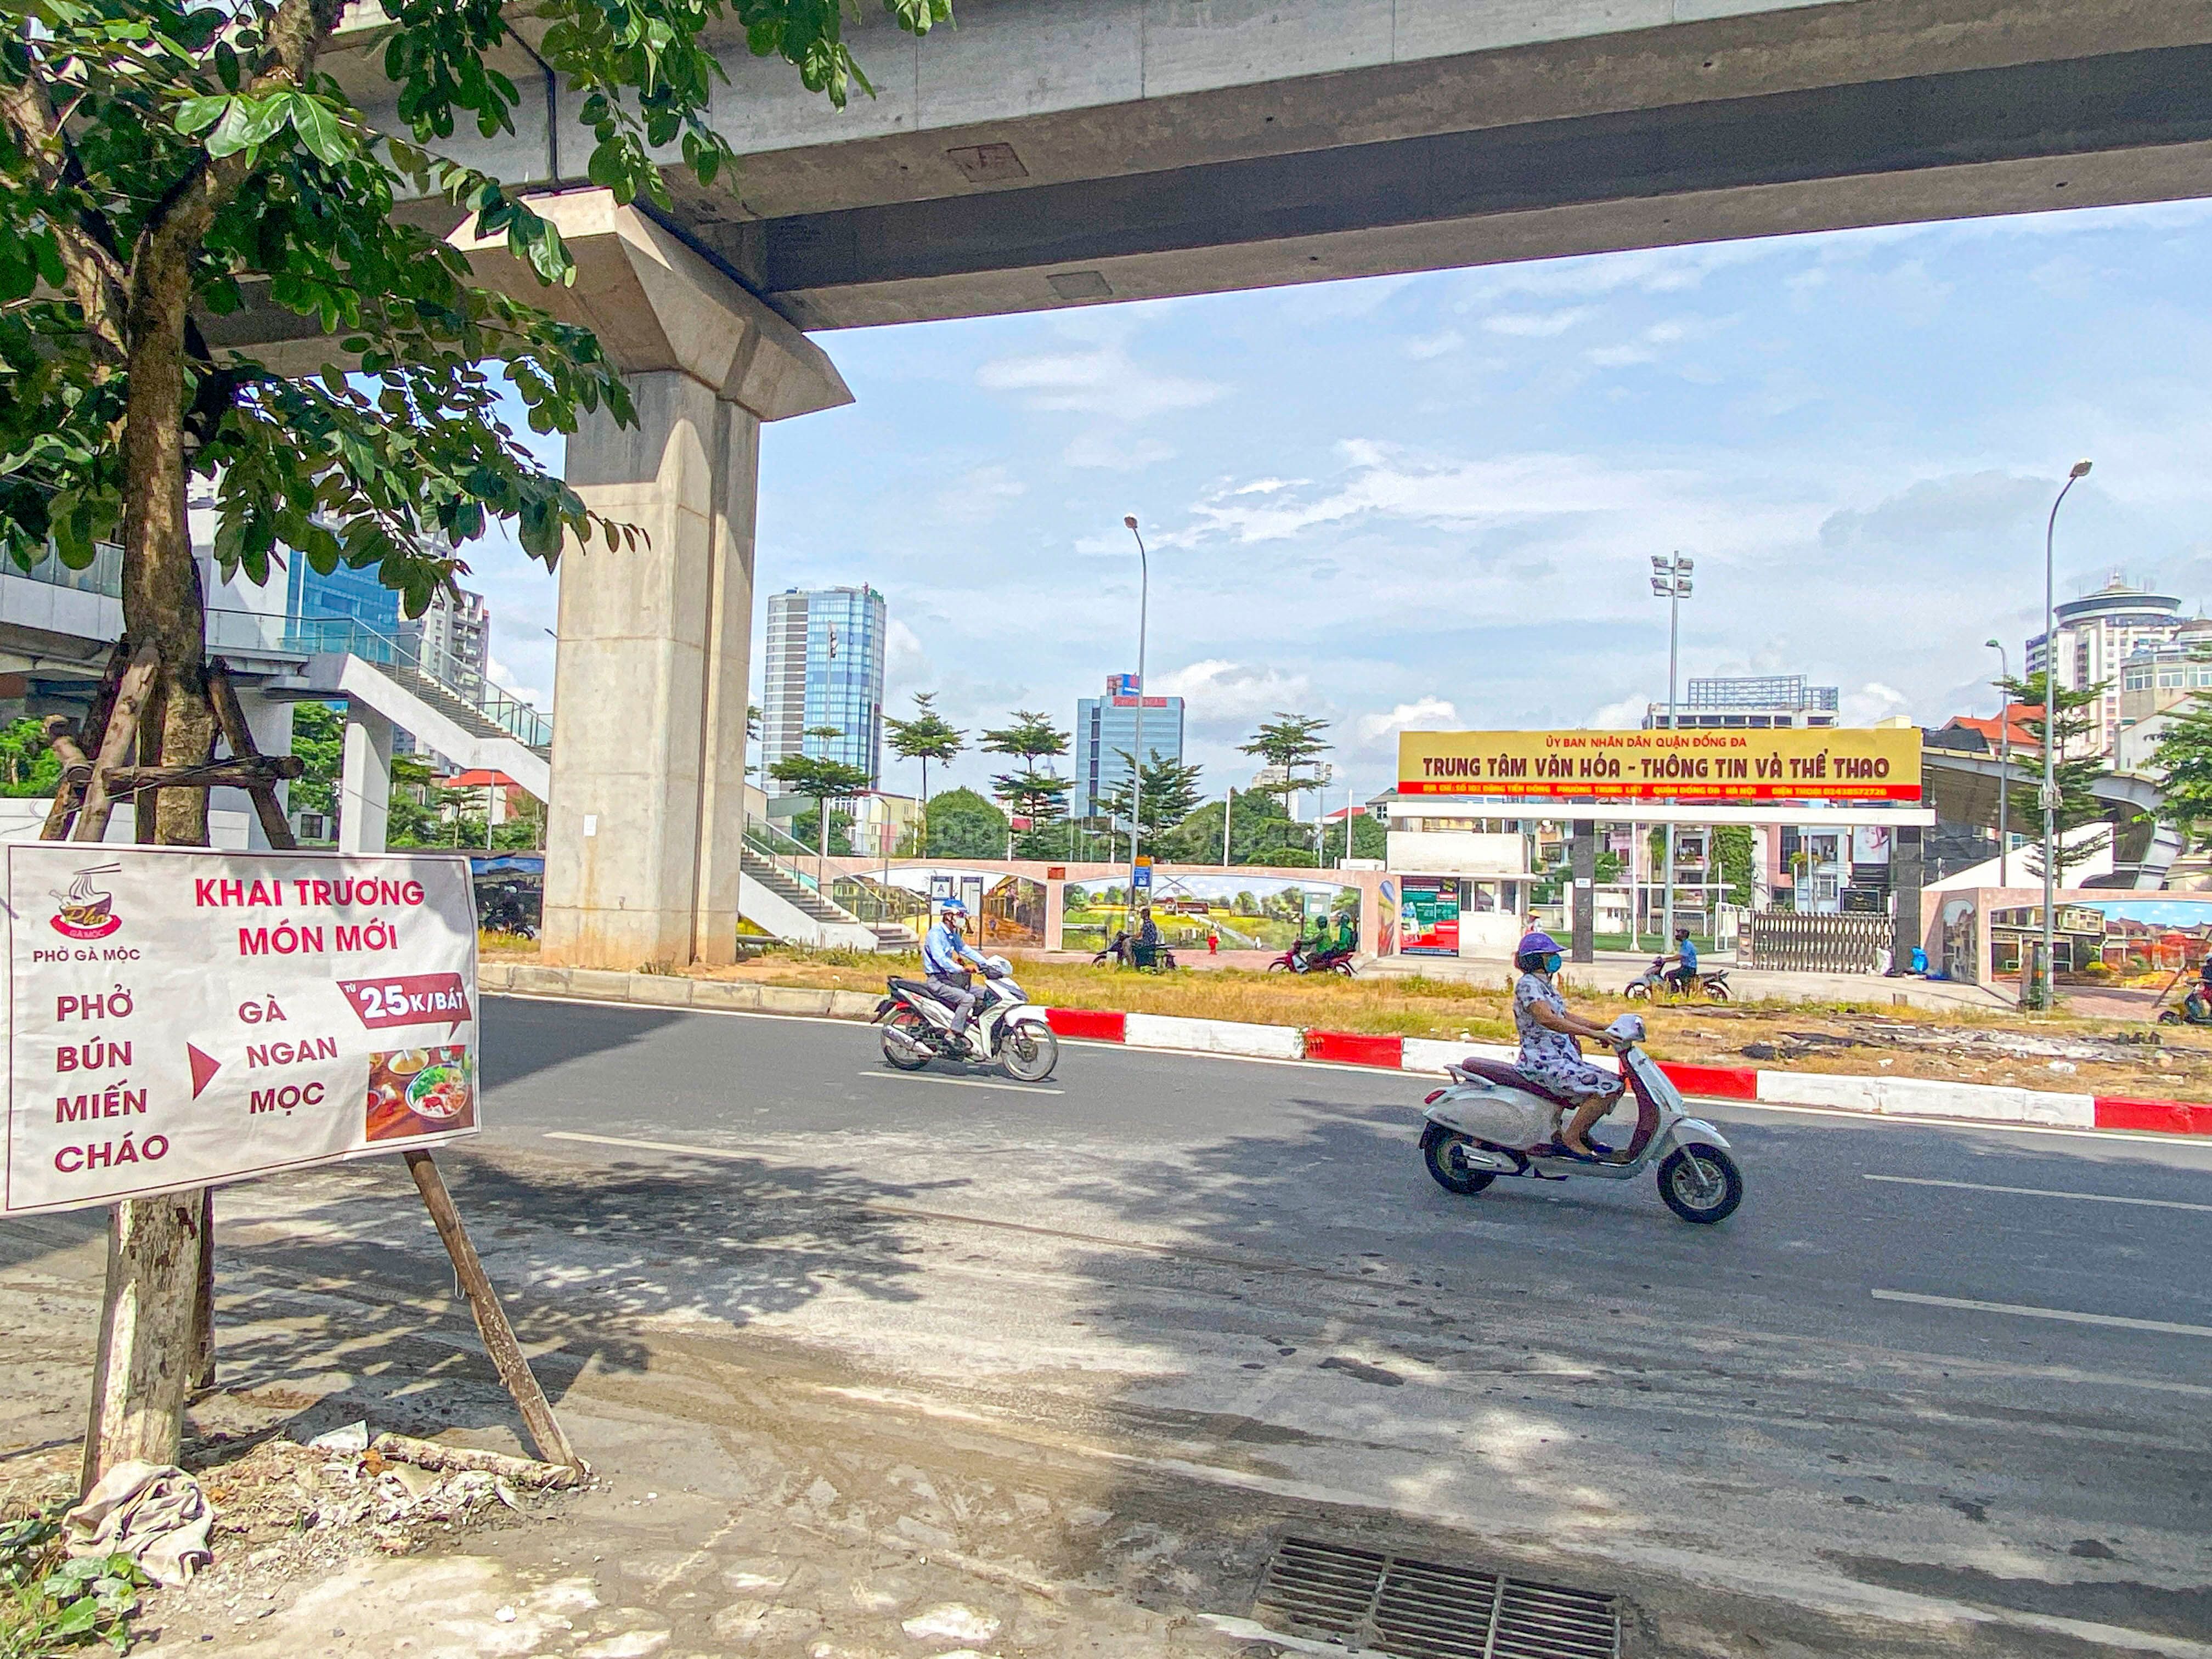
(1137, 757)
(1670, 580)
(2051, 734)
(2004, 749)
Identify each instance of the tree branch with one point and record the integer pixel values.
(96, 276)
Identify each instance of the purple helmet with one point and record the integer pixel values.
(1538, 943)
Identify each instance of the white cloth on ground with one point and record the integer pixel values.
(153, 1512)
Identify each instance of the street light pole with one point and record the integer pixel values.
(1670, 580)
(2051, 734)
(1137, 758)
(2004, 749)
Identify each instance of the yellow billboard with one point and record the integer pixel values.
(1817, 763)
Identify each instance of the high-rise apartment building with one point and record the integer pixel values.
(823, 667)
(2096, 635)
(1106, 730)
(455, 634)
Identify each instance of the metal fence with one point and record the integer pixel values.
(1815, 943)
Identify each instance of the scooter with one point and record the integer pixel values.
(1491, 1120)
(2193, 1010)
(1007, 1028)
(1301, 959)
(1713, 982)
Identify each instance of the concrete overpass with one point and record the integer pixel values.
(1052, 153)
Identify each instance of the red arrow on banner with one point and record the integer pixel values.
(204, 1066)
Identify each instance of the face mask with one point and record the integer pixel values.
(1552, 963)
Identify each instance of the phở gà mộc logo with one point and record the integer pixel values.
(87, 912)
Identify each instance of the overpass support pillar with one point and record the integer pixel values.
(647, 813)
(364, 782)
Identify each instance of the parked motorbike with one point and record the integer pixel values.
(1298, 959)
(1713, 982)
(1491, 1120)
(1007, 1029)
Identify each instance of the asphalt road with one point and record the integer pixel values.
(1935, 1378)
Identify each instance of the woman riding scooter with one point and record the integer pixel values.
(1550, 1056)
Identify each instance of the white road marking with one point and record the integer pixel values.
(960, 1082)
(2065, 1315)
(2038, 1192)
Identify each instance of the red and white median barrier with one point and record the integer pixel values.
(1881, 1096)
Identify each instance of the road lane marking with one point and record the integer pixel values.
(2038, 1192)
(2066, 1315)
(961, 1082)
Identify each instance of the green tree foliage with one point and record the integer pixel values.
(1041, 797)
(162, 160)
(1291, 743)
(2078, 805)
(807, 827)
(27, 766)
(319, 739)
(963, 825)
(1170, 791)
(927, 736)
(1731, 845)
(822, 781)
(2184, 756)
(1260, 831)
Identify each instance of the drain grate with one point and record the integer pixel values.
(1391, 1604)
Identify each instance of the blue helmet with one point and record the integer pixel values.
(954, 907)
(1538, 943)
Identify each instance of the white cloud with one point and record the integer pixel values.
(1431, 713)
(1537, 324)
(979, 495)
(1385, 483)
(1873, 702)
(907, 667)
(1114, 450)
(1622, 357)
(1219, 692)
(1266, 486)
(1422, 347)
(1624, 714)
(1104, 382)
(502, 677)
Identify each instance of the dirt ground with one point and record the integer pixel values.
(2127, 1056)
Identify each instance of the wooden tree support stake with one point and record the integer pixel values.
(507, 1356)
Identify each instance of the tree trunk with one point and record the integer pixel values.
(147, 1351)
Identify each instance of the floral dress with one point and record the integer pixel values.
(1553, 1059)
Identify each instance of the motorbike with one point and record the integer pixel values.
(2195, 1009)
(1713, 982)
(1007, 1028)
(1298, 959)
(1491, 1120)
(1123, 951)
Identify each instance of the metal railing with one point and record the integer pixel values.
(793, 857)
(876, 903)
(320, 636)
(276, 634)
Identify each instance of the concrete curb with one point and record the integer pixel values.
(1877, 1096)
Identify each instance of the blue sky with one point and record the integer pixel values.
(1430, 500)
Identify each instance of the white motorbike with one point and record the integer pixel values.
(1007, 1028)
(1491, 1120)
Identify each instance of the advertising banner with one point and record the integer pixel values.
(1428, 917)
(1821, 763)
(178, 1016)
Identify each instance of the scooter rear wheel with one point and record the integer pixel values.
(912, 1054)
(1438, 1146)
(1701, 1184)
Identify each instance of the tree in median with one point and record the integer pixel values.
(2078, 805)
(1170, 792)
(822, 781)
(1286, 744)
(1040, 797)
(927, 736)
(159, 159)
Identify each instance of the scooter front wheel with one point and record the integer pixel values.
(1701, 1184)
(2170, 1017)
(1028, 1052)
(1439, 1151)
(1637, 991)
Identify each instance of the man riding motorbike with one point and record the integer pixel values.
(943, 954)
(1684, 975)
